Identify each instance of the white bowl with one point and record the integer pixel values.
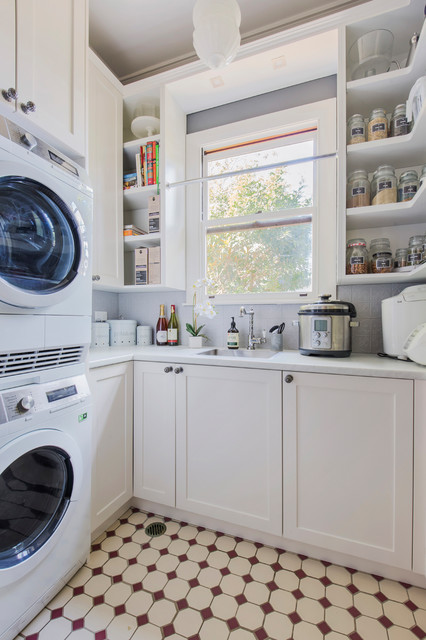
(145, 126)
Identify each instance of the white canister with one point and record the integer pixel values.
(100, 334)
(143, 335)
(122, 332)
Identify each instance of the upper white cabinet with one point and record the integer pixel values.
(396, 221)
(348, 465)
(105, 136)
(44, 60)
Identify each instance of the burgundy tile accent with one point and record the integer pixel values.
(378, 578)
(354, 636)
(137, 586)
(323, 627)
(302, 557)
(146, 545)
(192, 542)
(193, 583)
(174, 536)
(216, 591)
(132, 561)
(325, 603)
(196, 637)
(171, 575)
(118, 578)
(326, 563)
(248, 578)
(232, 553)
(225, 571)
(168, 630)
(183, 524)
(113, 554)
(100, 635)
(77, 624)
(110, 534)
(325, 581)
(280, 551)
(410, 605)
(128, 539)
(134, 509)
(385, 621)
(97, 571)
(352, 588)
(253, 560)
(33, 636)
(159, 595)
(233, 623)
(163, 552)
(354, 612)
(266, 607)
(141, 620)
(151, 568)
(167, 519)
(118, 611)
(123, 521)
(294, 617)
(139, 526)
(183, 557)
(300, 574)
(150, 515)
(380, 596)
(56, 613)
(212, 547)
(98, 600)
(261, 634)
(276, 566)
(182, 604)
(96, 547)
(203, 564)
(238, 539)
(206, 613)
(297, 594)
(200, 529)
(241, 599)
(351, 571)
(77, 591)
(419, 633)
(219, 534)
(258, 545)
(272, 586)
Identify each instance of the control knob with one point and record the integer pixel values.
(25, 404)
(29, 141)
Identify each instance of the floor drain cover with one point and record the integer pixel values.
(155, 529)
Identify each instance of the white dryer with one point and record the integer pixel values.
(45, 476)
(45, 245)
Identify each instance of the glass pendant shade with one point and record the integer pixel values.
(216, 35)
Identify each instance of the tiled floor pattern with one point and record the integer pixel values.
(195, 584)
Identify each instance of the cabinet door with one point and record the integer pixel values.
(348, 471)
(112, 389)
(228, 445)
(154, 432)
(7, 51)
(51, 66)
(105, 170)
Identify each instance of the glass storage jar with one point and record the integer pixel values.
(356, 129)
(401, 259)
(422, 176)
(356, 256)
(383, 185)
(358, 189)
(399, 125)
(415, 250)
(380, 256)
(408, 185)
(377, 125)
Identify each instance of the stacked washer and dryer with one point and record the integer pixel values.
(45, 408)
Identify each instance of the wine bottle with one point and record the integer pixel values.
(161, 329)
(173, 328)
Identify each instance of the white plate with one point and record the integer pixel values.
(145, 126)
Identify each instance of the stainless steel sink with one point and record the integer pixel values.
(239, 353)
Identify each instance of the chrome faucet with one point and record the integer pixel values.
(252, 340)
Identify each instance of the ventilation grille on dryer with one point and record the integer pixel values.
(35, 360)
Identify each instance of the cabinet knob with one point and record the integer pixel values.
(96, 278)
(288, 379)
(28, 107)
(168, 369)
(178, 370)
(10, 95)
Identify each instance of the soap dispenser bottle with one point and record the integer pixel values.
(233, 339)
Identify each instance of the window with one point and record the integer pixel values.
(256, 232)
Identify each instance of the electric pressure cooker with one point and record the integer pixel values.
(325, 328)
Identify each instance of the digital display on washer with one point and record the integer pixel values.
(66, 165)
(320, 325)
(60, 394)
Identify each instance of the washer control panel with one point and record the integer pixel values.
(321, 332)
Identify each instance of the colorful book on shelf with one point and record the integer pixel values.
(132, 230)
(130, 180)
(141, 163)
(138, 170)
(149, 156)
(145, 166)
(157, 159)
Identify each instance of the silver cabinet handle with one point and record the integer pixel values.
(168, 369)
(28, 107)
(178, 370)
(288, 379)
(10, 95)
(96, 278)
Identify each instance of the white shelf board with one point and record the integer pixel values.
(418, 273)
(400, 151)
(148, 240)
(137, 197)
(389, 215)
(135, 288)
(132, 147)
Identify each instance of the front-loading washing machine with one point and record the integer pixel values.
(45, 484)
(45, 247)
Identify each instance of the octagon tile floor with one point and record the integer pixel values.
(195, 584)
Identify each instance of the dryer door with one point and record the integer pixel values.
(42, 243)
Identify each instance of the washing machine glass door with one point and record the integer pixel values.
(40, 243)
(35, 492)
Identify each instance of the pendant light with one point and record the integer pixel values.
(216, 34)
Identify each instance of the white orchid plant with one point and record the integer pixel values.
(204, 308)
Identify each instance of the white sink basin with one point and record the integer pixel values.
(239, 353)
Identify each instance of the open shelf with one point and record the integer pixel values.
(389, 215)
(137, 197)
(148, 240)
(418, 273)
(132, 147)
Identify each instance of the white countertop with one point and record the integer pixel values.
(357, 364)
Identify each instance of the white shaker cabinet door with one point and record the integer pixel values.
(7, 53)
(348, 464)
(228, 445)
(112, 390)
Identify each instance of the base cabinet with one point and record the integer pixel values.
(348, 465)
(112, 442)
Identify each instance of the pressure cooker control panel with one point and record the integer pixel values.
(321, 332)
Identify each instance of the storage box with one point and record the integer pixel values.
(136, 266)
(154, 265)
(154, 214)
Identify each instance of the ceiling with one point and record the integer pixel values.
(137, 38)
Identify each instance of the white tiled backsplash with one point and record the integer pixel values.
(367, 338)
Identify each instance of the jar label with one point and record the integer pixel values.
(383, 263)
(358, 191)
(401, 122)
(380, 126)
(357, 260)
(384, 184)
(357, 131)
(414, 257)
(162, 337)
(410, 188)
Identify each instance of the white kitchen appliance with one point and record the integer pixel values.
(415, 345)
(401, 314)
(45, 250)
(45, 477)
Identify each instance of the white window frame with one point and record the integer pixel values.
(324, 216)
